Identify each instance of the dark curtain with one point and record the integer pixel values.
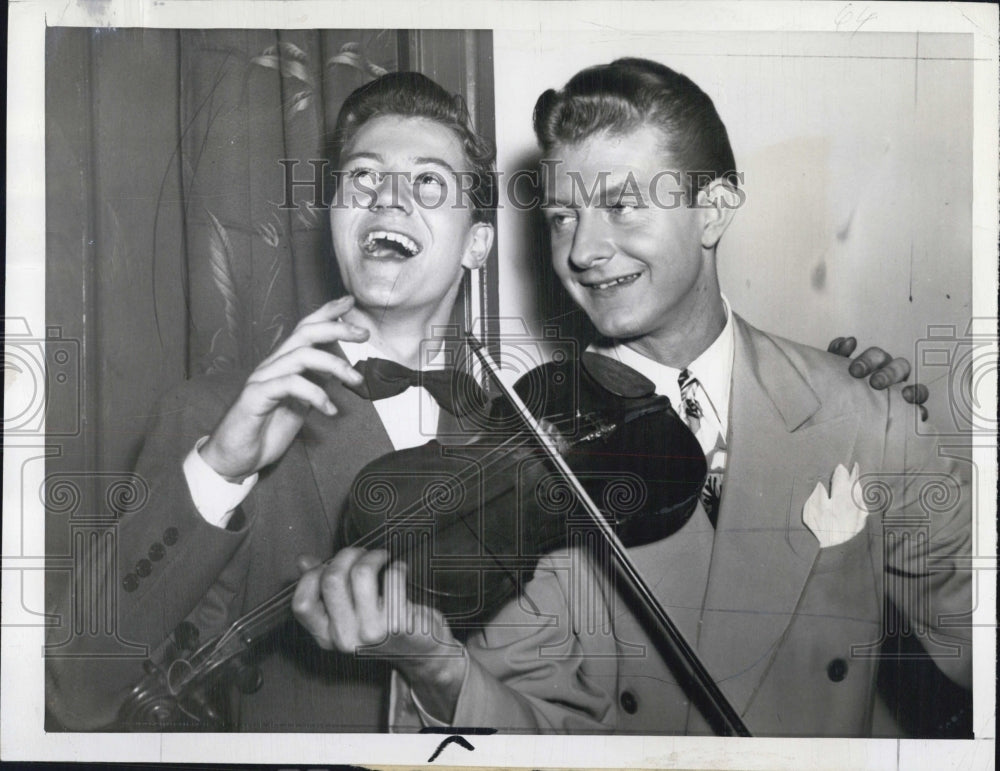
(171, 250)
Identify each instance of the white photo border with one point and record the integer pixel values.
(22, 709)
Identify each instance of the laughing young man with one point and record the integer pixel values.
(248, 473)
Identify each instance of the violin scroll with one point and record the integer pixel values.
(189, 691)
(153, 706)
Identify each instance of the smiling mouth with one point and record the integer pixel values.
(388, 243)
(613, 282)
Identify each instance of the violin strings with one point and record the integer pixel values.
(502, 449)
(277, 605)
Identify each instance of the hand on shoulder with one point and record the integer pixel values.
(881, 369)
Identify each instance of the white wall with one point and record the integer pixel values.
(857, 157)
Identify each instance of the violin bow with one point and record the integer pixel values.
(692, 672)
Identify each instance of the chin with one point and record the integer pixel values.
(618, 327)
(383, 300)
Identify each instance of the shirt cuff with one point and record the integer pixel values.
(214, 497)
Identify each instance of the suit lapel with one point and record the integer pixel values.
(778, 447)
(339, 447)
(450, 430)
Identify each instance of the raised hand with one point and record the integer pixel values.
(262, 422)
(883, 369)
(358, 600)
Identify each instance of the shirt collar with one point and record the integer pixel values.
(713, 368)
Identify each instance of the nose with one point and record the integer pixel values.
(592, 243)
(392, 193)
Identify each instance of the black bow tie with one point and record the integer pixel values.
(455, 391)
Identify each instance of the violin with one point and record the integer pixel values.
(471, 521)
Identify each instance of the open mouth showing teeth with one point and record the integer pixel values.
(614, 282)
(386, 243)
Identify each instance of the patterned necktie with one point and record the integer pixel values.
(455, 391)
(710, 438)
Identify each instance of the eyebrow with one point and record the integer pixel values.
(430, 159)
(358, 156)
(609, 194)
(420, 160)
(616, 191)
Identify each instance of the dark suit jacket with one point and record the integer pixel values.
(172, 565)
(789, 630)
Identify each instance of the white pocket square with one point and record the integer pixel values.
(835, 518)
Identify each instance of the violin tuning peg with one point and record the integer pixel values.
(212, 716)
(248, 678)
(208, 715)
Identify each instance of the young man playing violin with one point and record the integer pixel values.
(780, 578)
(247, 473)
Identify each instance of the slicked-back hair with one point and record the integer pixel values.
(413, 95)
(627, 94)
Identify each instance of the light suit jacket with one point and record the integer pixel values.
(789, 630)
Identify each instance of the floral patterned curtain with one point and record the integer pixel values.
(248, 100)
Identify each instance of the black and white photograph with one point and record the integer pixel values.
(507, 383)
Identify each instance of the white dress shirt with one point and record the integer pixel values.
(216, 498)
(714, 372)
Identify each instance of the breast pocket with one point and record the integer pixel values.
(851, 555)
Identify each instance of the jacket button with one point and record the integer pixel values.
(130, 582)
(156, 551)
(143, 568)
(836, 670)
(170, 536)
(629, 703)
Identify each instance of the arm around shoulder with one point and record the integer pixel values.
(928, 536)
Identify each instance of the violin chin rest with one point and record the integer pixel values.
(618, 378)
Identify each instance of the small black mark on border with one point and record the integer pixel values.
(450, 740)
(455, 737)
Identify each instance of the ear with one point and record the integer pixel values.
(718, 202)
(478, 243)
